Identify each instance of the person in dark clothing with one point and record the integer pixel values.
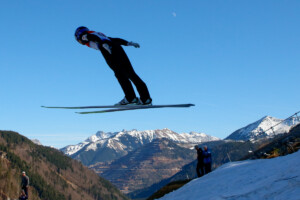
(200, 164)
(25, 183)
(118, 61)
(207, 160)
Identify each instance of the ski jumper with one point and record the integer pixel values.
(118, 61)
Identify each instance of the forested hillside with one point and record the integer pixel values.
(53, 176)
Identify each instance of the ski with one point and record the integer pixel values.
(88, 107)
(118, 106)
(137, 107)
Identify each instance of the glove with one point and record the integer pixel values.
(136, 45)
(107, 47)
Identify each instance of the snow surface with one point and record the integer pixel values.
(268, 179)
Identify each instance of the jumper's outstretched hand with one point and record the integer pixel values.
(136, 45)
(107, 47)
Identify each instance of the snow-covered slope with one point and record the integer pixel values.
(123, 139)
(268, 179)
(261, 128)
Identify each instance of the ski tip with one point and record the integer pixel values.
(47, 107)
(188, 105)
(80, 113)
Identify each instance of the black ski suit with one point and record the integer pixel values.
(118, 61)
(200, 164)
(25, 184)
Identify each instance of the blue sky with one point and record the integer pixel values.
(236, 60)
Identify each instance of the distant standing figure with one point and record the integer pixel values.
(207, 160)
(200, 164)
(25, 183)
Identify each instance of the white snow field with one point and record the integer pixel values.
(267, 179)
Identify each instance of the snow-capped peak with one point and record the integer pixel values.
(36, 141)
(100, 135)
(129, 139)
(194, 137)
(265, 127)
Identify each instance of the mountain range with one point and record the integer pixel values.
(106, 147)
(131, 159)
